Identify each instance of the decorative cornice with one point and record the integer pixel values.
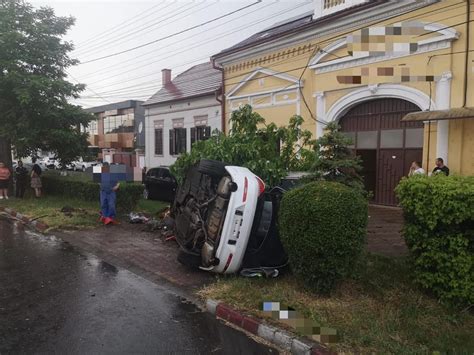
(433, 44)
(358, 20)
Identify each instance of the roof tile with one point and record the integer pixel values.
(198, 80)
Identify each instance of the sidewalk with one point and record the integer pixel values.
(384, 231)
(144, 252)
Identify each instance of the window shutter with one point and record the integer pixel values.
(193, 135)
(158, 141)
(183, 141)
(172, 142)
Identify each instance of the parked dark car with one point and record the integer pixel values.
(160, 184)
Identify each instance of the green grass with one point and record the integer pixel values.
(48, 210)
(151, 207)
(379, 311)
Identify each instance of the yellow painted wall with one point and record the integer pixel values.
(293, 60)
(461, 146)
(429, 146)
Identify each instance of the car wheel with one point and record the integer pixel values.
(189, 260)
(212, 167)
(146, 194)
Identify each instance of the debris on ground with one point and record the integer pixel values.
(137, 218)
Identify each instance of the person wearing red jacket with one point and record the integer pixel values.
(4, 179)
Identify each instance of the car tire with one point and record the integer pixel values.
(212, 167)
(189, 260)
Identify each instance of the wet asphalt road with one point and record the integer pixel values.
(56, 299)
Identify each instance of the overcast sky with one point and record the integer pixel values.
(106, 27)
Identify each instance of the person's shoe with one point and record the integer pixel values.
(6, 197)
(114, 221)
(1, 197)
(108, 220)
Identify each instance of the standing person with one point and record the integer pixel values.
(4, 179)
(440, 167)
(108, 186)
(21, 175)
(416, 169)
(36, 178)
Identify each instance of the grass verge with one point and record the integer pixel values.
(85, 213)
(48, 210)
(380, 311)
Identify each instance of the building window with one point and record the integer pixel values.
(201, 133)
(177, 141)
(122, 123)
(158, 141)
(92, 128)
(159, 137)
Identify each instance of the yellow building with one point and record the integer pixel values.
(367, 64)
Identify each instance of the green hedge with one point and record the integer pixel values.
(323, 229)
(127, 196)
(439, 231)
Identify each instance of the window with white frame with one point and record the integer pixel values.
(159, 137)
(177, 137)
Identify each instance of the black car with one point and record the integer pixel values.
(160, 184)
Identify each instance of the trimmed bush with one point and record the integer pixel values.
(323, 228)
(439, 231)
(127, 196)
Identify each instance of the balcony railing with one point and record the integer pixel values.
(327, 7)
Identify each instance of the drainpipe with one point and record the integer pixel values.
(466, 63)
(222, 101)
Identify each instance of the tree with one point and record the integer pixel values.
(34, 92)
(267, 150)
(334, 160)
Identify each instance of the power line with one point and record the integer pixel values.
(173, 34)
(327, 40)
(134, 62)
(116, 40)
(199, 44)
(121, 25)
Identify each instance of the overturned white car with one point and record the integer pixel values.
(225, 220)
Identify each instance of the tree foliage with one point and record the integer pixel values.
(334, 160)
(34, 90)
(267, 150)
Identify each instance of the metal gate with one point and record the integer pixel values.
(386, 145)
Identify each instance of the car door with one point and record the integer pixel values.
(151, 182)
(168, 186)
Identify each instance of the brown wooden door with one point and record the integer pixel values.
(381, 138)
(389, 172)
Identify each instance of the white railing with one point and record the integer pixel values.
(327, 7)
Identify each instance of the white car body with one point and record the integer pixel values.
(238, 220)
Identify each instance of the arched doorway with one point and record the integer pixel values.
(386, 145)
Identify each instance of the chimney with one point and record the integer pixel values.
(165, 76)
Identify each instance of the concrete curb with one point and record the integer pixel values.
(36, 225)
(273, 335)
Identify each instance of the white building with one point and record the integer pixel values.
(186, 109)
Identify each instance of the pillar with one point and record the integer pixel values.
(320, 113)
(443, 102)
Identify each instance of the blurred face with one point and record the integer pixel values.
(438, 163)
(414, 165)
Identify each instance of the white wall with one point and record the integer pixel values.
(186, 109)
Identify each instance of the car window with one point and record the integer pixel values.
(153, 172)
(166, 174)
